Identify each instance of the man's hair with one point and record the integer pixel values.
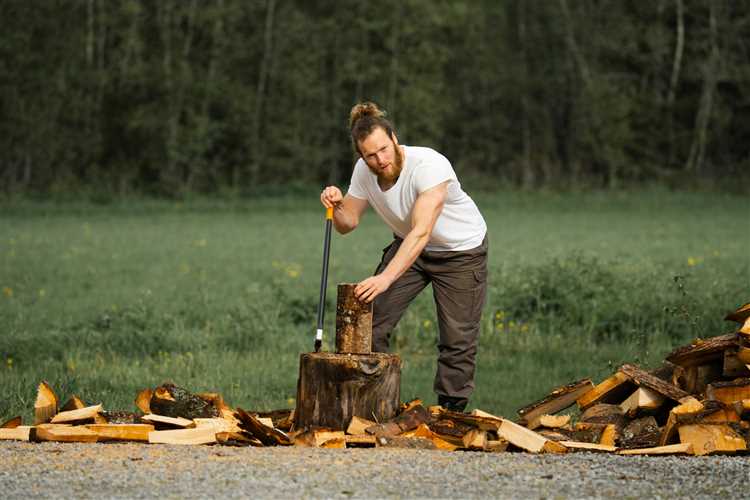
(363, 119)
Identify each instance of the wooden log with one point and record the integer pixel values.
(641, 433)
(65, 434)
(333, 388)
(712, 438)
(353, 322)
(203, 435)
(20, 433)
(645, 379)
(168, 421)
(121, 432)
(81, 414)
(729, 392)
(643, 399)
(611, 389)
(527, 439)
(670, 449)
(702, 351)
(580, 446)
(557, 400)
(45, 406)
(173, 401)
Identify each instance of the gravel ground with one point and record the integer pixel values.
(142, 471)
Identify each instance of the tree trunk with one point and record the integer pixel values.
(527, 176)
(333, 388)
(260, 92)
(675, 78)
(353, 322)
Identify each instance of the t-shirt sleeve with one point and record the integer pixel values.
(433, 172)
(356, 186)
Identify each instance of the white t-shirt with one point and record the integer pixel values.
(459, 226)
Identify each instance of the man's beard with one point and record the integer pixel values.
(397, 166)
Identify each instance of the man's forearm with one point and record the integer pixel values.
(410, 248)
(343, 222)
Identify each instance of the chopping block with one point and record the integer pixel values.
(354, 381)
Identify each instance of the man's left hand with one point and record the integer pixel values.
(373, 286)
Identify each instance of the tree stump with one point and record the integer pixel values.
(332, 388)
(353, 322)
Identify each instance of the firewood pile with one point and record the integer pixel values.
(697, 403)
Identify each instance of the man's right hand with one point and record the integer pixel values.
(331, 196)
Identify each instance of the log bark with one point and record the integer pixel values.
(333, 388)
(353, 322)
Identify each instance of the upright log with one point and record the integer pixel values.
(332, 388)
(353, 322)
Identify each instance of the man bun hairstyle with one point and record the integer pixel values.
(364, 118)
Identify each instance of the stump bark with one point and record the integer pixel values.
(353, 322)
(332, 388)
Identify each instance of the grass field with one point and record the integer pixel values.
(102, 301)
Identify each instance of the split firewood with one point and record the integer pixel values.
(475, 439)
(321, 438)
(265, 434)
(172, 401)
(712, 438)
(645, 379)
(74, 403)
(527, 439)
(411, 443)
(45, 406)
(215, 399)
(162, 421)
(729, 392)
(406, 421)
(64, 433)
(554, 421)
(555, 434)
(612, 389)
(670, 449)
(694, 379)
(118, 417)
(121, 432)
(360, 441)
(745, 329)
(741, 315)
(604, 413)
(581, 446)
(597, 433)
(477, 419)
(742, 408)
(423, 431)
(80, 415)
(643, 399)
(702, 351)
(641, 433)
(236, 439)
(218, 424)
(358, 425)
(12, 423)
(733, 366)
(281, 419)
(558, 400)
(691, 405)
(143, 400)
(18, 433)
(496, 446)
(198, 435)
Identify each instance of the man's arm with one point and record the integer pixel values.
(426, 210)
(346, 209)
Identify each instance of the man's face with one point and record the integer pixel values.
(382, 154)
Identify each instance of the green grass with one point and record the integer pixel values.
(102, 301)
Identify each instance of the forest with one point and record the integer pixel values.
(171, 97)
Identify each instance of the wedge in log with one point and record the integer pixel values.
(79, 415)
(527, 439)
(121, 432)
(614, 388)
(203, 435)
(712, 438)
(558, 400)
(45, 406)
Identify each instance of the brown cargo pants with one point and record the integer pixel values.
(459, 287)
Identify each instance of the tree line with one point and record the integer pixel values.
(169, 97)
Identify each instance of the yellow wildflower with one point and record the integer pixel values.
(8, 291)
(42, 293)
(427, 323)
(691, 261)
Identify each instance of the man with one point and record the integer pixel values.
(439, 238)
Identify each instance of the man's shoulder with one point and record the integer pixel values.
(425, 154)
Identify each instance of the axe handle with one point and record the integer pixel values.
(324, 280)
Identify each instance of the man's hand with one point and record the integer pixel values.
(373, 286)
(331, 196)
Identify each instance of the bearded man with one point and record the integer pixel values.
(439, 238)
